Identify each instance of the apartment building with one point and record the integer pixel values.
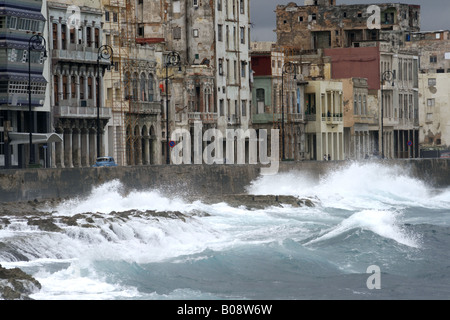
(23, 58)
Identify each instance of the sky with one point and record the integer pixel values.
(435, 14)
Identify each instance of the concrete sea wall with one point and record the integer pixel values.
(193, 180)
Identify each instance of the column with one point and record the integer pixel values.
(147, 150)
(76, 142)
(84, 141)
(59, 154)
(68, 148)
(92, 146)
(67, 37)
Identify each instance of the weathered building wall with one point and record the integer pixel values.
(434, 110)
(337, 26)
(356, 62)
(183, 180)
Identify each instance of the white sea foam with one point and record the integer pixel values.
(383, 223)
(360, 197)
(359, 186)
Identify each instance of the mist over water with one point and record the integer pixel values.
(144, 244)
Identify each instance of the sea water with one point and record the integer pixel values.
(364, 215)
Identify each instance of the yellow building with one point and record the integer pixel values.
(324, 115)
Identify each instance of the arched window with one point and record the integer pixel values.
(126, 82)
(150, 87)
(365, 105)
(143, 96)
(359, 104)
(134, 86)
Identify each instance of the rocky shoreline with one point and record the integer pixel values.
(17, 285)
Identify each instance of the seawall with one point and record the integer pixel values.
(191, 180)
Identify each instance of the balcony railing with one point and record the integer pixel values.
(81, 112)
(333, 118)
(233, 119)
(205, 117)
(296, 117)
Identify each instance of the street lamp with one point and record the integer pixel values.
(387, 76)
(37, 43)
(105, 52)
(172, 60)
(288, 68)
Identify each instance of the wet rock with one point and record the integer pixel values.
(44, 224)
(264, 201)
(16, 284)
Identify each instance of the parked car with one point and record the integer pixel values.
(445, 155)
(105, 162)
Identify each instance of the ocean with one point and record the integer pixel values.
(374, 232)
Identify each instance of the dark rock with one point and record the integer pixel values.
(16, 284)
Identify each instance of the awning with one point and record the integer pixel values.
(24, 138)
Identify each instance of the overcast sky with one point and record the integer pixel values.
(435, 14)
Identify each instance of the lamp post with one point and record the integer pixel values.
(288, 68)
(386, 76)
(105, 52)
(172, 60)
(37, 43)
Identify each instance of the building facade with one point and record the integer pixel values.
(434, 81)
(24, 72)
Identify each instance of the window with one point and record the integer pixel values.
(195, 33)
(242, 35)
(243, 72)
(432, 82)
(220, 32)
(11, 22)
(430, 102)
(195, 3)
(219, 5)
(140, 31)
(150, 88)
(177, 33)
(300, 19)
(355, 105)
(260, 100)
(221, 107)
(313, 17)
(433, 59)
(221, 67)
(115, 17)
(241, 6)
(106, 15)
(143, 96)
(82, 84)
(244, 108)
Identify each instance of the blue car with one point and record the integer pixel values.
(105, 162)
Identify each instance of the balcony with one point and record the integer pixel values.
(296, 117)
(233, 119)
(335, 118)
(310, 117)
(76, 55)
(143, 107)
(205, 117)
(81, 112)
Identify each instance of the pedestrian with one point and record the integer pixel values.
(329, 157)
(324, 157)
